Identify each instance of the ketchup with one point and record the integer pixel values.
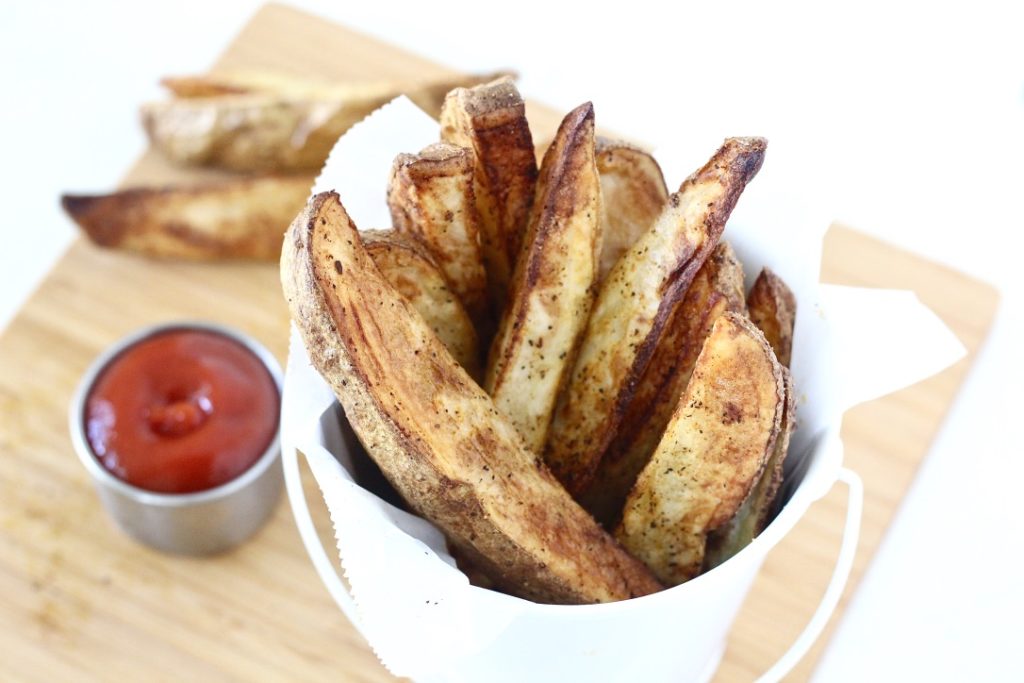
(182, 411)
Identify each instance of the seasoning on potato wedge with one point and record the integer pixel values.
(431, 198)
(634, 304)
(435, 434)
(553, 286)
(633, 196)
(243, 218)
(407, 266)
(490, 120)
(716, 289)
(756, 511)
(715, 446)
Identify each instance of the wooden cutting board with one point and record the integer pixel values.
(80, 601)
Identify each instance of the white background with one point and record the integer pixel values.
(906, 121)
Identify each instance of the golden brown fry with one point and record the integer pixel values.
(269, 122)
(490, 119)
(434, 433)
(407, 266)
(755, 512)
(634, 195)
(772, 307)
(716, 289)
(553, 286)
(713, 450)
(634, 304)
(236, 219)
(431, 198)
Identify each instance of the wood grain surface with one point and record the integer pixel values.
(80, 601)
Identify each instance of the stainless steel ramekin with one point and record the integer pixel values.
(199, 523)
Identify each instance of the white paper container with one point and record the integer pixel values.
(420, 614)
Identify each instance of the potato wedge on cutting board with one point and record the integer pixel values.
(717, 443)
(431, 198)
(266, 122)
(490, 120)
(243, 218)
(553, 286)
(408, 267)
(716, 289)
(634, 304)
(633, 196)
(436, 435)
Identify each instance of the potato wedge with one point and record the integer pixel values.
(634, 195)
(277, 127)
(431, 198)
(552, 289)
(716, 289)
(714, 448)
(633, 305)
(435, 433)
(428, 94)
(408, 267)
(490, 119)
(756, 510)
(772, 307)
(237, 219)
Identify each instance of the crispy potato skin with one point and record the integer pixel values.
(431, 198)
(265, 122)
(756, 510)
(408, 267)
(553, 286)
(772, 307)
(435, 434)
(633, 194)
(237, 219)
(634, 304)
(713, 450)
(716, 289)
(490, 120)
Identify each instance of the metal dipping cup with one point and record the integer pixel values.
(199, 523)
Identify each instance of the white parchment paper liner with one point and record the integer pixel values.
(419, 613)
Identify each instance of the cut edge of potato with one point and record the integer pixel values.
(552, 288)
(716, 445)
(409, 268)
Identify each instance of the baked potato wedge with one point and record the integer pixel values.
(716, 289)
(490, 120)
(408, 267)
(431, 198)
(242, 218)
(428, 94)
(756, 510)
(270, 123)
(435, 433)
(772, 307)
(633, 194)
(714, 448)
(634, 304)
(552, 288)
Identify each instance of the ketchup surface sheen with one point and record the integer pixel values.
(182, 411)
